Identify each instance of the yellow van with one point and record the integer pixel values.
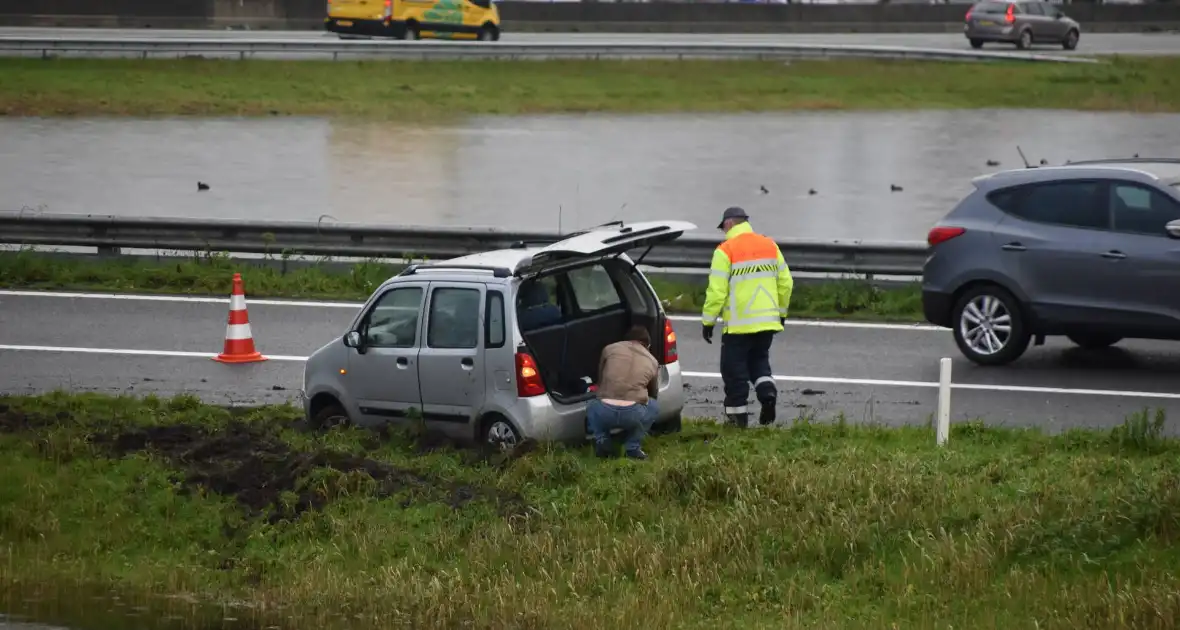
(413, 19)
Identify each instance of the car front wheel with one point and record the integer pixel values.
(989, 326)
(1071, 40)
(977, 44)
(1025, 40)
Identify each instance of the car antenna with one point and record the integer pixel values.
(559, 209)
(1026, 164)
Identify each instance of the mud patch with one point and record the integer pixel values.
(272, 481)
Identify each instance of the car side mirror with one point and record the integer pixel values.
(1173, 229)
(353, 340)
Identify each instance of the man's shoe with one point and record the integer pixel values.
(767, 415)
(739, 420)
(636, 454)
(605, 450)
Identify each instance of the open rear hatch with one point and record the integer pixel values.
(550, 343)
(611, 239)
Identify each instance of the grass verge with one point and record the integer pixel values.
(420, 91)
(212, 275)
(813, 526)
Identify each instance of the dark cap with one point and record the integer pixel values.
(732, 213)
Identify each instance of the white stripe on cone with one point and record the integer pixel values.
(236, 332)
(237, 302)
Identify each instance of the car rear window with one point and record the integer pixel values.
(991, 7)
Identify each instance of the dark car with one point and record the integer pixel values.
(1020, 22)
(1090, 251)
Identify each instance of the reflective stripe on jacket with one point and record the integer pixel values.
(749, 283)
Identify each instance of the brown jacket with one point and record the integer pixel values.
(627, 371)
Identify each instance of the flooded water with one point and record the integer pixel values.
(546, 172)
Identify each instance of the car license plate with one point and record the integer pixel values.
(343, 22)
(986, 23)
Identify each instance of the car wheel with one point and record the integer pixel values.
(411, 32)
(989, 326)
(1094, 341)
(1071, 40)
(977, 43)
(332, 415)
(674, 425)
(499, 433)
(488, 34)
(1025, 39)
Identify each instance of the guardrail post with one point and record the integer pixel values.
(107, 252)
(943, 431)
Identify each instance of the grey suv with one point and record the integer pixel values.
(1020, 22)
(1090, 250)
(498, 346)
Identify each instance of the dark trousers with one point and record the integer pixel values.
(745, 359)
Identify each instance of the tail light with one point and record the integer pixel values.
(967, 18)
(528, 379)
(388, 9)
(1009, 15)
(943, 234)
(671, 353)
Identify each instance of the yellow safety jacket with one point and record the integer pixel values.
(749, 283)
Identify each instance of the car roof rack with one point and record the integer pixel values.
(499, 272)
(1130, 160)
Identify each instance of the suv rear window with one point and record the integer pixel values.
(1070, 204)
(990, 7)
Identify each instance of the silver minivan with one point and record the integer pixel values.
(499, 346)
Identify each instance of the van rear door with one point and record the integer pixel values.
(600, 242)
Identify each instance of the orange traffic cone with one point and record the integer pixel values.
(239, 342)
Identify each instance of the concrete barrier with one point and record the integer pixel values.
(667, 17)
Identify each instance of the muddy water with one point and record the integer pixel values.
(542, 172)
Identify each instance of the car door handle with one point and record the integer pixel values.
(467, 362)
(1014, 247)
(1114, 254)
(403, 362)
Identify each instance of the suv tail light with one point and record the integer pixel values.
(528, 379)
(1009, 15)
(388, 9)
(671, 353)
(966, 18)
(943, 234)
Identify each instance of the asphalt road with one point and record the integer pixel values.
(881, 373)
(1091, 43)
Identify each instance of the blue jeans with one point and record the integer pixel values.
(634, 420)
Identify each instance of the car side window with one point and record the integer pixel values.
(1033, 8)
(392, 322)
(1070, 204)
(454, 318)
(593, 288)
(494, 332)
(1141, 210)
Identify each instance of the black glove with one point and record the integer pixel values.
(782, 321)
(707, 332)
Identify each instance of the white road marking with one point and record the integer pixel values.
(782, 378)
(144, 353)
(356, 305)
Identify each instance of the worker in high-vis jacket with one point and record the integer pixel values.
(749, 294)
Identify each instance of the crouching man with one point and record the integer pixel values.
(628, 384)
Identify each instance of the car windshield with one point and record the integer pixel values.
(991, 7)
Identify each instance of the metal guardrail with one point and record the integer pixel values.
(145, 47)
(112, 234)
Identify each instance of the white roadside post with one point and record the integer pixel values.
(943, 430)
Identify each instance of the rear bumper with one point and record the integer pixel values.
(997, 34)
(936, 307)
(542, 418)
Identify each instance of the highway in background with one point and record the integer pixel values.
(883, 373)
(1091, 43)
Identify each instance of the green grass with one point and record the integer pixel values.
(212, 275)
(814, 526)
(415, 90)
